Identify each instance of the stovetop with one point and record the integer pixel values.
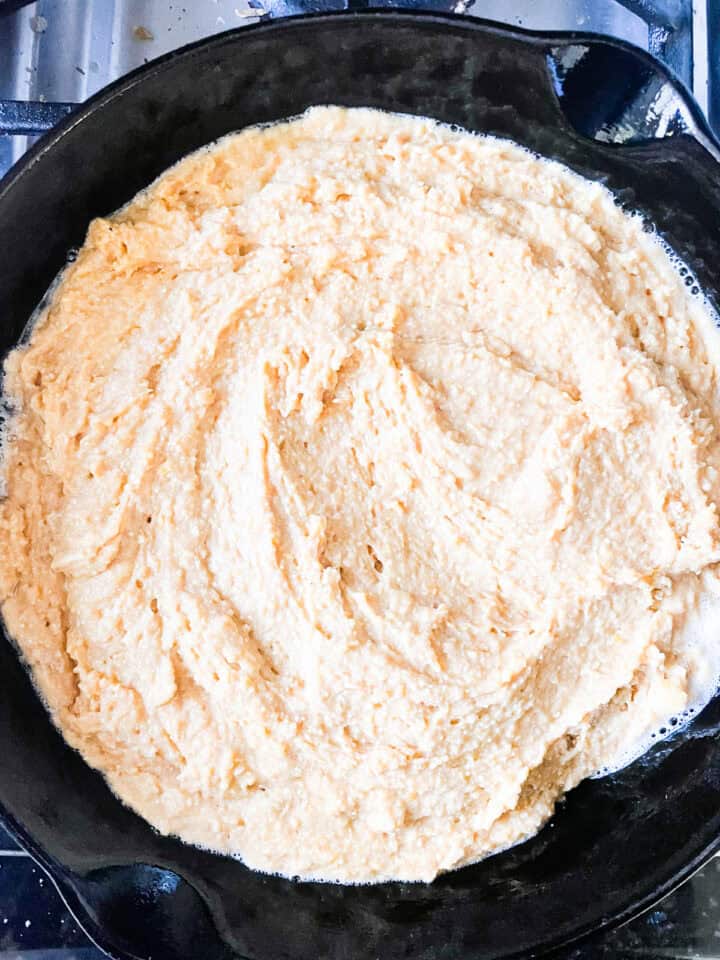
(59, 52)
(54, 53)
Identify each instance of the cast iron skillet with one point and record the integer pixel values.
(616, 844)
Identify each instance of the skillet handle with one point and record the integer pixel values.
(615, 93)
(28, 117)
(142, 912)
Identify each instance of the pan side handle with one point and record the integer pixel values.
(612, 92)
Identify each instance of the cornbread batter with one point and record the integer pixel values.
(362, 486)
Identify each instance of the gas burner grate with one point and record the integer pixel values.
(54, 54)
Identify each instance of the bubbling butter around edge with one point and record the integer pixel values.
(699, 625)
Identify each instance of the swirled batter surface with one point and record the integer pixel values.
(362, 481)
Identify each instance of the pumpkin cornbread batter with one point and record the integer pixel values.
(362, 482)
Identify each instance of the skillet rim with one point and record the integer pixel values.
(697, 128)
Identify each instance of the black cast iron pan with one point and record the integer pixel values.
(615, 845)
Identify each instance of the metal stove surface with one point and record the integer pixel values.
(62, 51)
(65, 50)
